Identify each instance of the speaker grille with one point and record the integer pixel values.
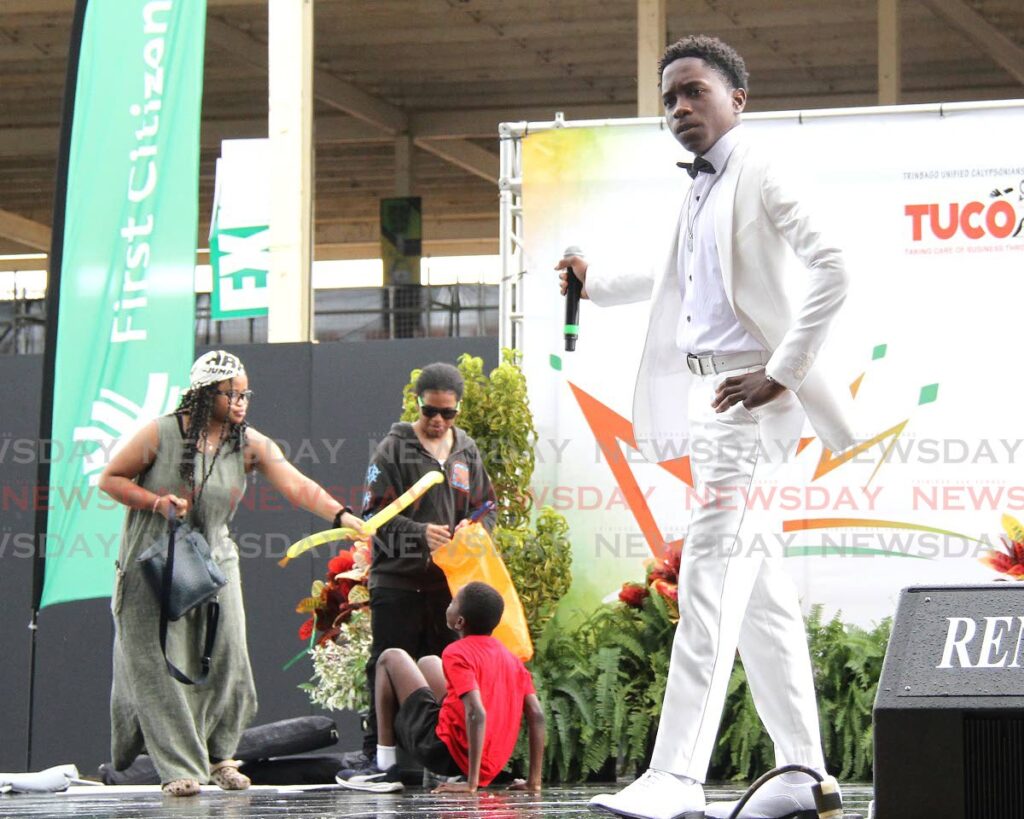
(993, 766)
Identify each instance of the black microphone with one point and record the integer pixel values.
(572, 301)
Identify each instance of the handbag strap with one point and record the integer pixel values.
(212, 615)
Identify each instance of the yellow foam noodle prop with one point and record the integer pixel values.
(470, 556)
(370, 527)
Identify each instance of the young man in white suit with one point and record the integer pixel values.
(728, 367)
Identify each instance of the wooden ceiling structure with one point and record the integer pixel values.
(409, 93)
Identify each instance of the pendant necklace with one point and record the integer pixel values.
(205, 472)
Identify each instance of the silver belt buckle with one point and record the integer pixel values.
(705, 364)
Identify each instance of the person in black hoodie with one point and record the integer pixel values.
(408, 593)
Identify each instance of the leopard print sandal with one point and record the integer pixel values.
(180, 787)
(226, 775)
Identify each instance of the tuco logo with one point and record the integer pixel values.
(999, 646)
(973, 220)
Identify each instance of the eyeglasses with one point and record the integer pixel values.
(448, 413)
(236, 397)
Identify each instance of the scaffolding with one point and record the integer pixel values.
(510, 185)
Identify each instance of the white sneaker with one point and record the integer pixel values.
(655, 795)
(785, 797)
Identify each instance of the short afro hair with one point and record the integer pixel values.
(481, 607)
(720, 56)
(440, 377)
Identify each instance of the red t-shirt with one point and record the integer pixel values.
(478, 662)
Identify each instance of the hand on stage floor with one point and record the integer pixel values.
(750, 389)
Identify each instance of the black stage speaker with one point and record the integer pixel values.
(949, 714)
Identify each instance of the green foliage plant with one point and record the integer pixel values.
(339, 675)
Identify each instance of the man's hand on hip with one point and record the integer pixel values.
(750, 389)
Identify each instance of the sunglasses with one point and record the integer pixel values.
(448, 413)
(236, 397)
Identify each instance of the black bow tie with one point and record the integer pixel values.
(699, 165)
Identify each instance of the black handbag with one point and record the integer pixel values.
(183, 574)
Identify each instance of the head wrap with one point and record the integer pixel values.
(214, 366)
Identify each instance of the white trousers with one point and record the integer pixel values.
(734, 594)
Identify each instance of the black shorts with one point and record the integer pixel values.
(416, 732)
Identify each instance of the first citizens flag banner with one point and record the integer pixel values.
(127, 303)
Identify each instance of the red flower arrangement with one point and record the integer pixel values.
(1011, 561)
(662, 577)
(633, 594)
(332, 601)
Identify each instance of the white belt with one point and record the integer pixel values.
(710, 364)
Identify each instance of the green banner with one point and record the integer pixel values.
(126, 325)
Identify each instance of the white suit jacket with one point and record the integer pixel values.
(755, 218)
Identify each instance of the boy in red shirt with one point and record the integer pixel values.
(458, 713)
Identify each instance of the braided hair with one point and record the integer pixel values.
(197, 403)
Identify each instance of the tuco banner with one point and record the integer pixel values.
(927, 344)
(126, 324)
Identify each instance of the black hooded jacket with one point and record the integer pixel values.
(401, 557)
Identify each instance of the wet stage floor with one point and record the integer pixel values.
(265, 802)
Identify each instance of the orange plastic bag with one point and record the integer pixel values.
(470, 556)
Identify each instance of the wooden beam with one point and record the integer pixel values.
(290, 131)
(483, 122)
(355, 102)
(327, 88)
(7, 265)
(434, 228)
(68, 6)
(467, 155)
(889, 74)
(403, 166)
(24, 231)
(651, 34)
(22, 142)
(986, 36)
(470, 123)
(336, 129)
(42, 141)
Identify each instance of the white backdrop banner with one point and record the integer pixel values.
(929, 209)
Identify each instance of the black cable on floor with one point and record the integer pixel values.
(826, 793)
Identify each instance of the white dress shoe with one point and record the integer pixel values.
(785, 797)
(655, 795)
